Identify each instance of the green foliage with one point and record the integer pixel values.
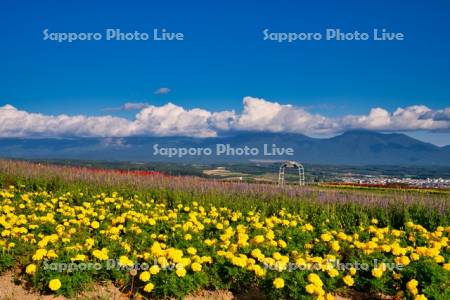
(6, 261)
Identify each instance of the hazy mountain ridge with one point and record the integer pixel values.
(350, 148)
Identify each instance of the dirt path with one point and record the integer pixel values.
(11, 290)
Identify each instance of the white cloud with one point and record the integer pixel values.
(438, 115)
(223, 121)
(262, 115)
(171, 119)
(411, 118)
(16, 123)
(162, 91)
(257, 115)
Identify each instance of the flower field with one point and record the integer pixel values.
(65, 238)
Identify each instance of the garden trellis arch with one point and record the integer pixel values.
(292, 164)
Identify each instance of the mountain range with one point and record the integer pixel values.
(350, 148)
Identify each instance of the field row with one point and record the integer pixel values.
(65, 241)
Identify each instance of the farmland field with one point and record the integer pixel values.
(64, 230)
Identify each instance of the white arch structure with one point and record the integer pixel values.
(292, 164)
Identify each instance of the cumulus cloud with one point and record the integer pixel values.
(223, 121)
(411, 118)
(439, 115)
(162, 91)
(257, 115)
(17, 123)
(171, 119)
(262, 115)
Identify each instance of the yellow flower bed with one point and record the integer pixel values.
(65, 241)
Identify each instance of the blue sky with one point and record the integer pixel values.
(224, 58)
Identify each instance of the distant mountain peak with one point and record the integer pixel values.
(356, 147)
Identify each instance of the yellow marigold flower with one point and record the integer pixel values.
(386, 248)
(315, 279)
(209, 242)
(125, 261)
(52, 254)
(181, 272)
(95, 224)
(412, 283)
(342, 236)
(31, 269)
(439, 259)
(335, 246)
(412, 286)
(144, 276)
(278, 283)
(277, 256)
(89, 243)
(196, 267)
(348, 280)
(149, 287)
(333, 272)
(154, 270)
(101, 254)
(258, 239)
(329, 297)
(39, 254)
(402, 260)
(414, 256)
(420, 297)
(188, 237)
(206, 259)
(79, 257)
(259, 271)
(257, 253)
(326, 237)
(377, 272)
(270, 235)
(54, 284)
(162, 261)
(191, 250)
(446, 266)
(310, 288)
(414, 291)
(282, 244)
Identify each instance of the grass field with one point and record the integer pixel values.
(65, 229)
